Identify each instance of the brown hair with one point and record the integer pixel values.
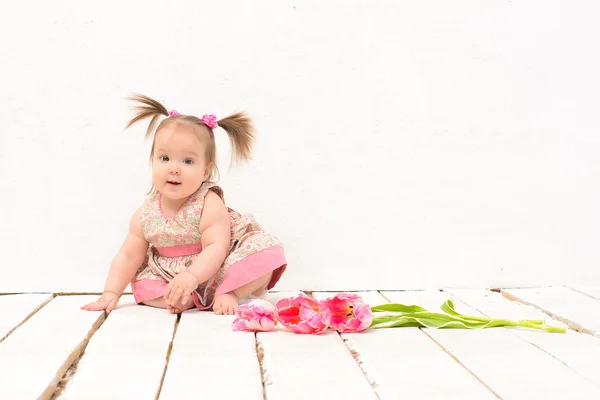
(238, 126)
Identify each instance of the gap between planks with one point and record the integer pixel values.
(168, 357)
(573, 349)
(67, 372)
(31, 314)
(570, 323)
(71, 370)
(594, 295)
(62, 384)
(264, 374)
(67, 390)
(499, 291)
(474, 375)
(383, 388)
(53, 384)
(370, 372)
(272, 364)
(369, 376)
(444, 349)
(364, 367)
(74, 357)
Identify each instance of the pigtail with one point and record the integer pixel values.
(240, 130)
(146, 108)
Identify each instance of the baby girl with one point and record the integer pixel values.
(185, 248)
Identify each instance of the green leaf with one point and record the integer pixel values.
(400, 315)
(387, 318)
(533, 321)
(448, 307)
(437, 320)
(395, 307)
(403, 322)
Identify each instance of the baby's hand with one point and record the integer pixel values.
(108, 301)
(181, 287)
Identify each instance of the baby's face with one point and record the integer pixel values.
(179, 161)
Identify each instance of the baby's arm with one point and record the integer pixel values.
(123, 268)
(216, 235)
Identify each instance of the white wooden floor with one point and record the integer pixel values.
(49, 348)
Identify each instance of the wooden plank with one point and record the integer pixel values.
(580, 312)
(211, 360)
(299, 366)
(34, 357)
(591, 291)
(398, 361)
(17, 308)
(507, 364)
(208, 339)
(129, 351)
(579, 351)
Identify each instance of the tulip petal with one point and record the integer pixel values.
(301, 314)
(240, 325)
(257, 315)
(346, 312)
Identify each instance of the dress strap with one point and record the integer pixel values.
(210, 185)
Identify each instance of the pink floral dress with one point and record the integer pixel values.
(175, 244)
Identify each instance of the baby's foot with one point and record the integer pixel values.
(181, 308)
(225, 304)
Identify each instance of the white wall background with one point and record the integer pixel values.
(401, 144)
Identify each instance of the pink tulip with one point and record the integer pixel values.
(301, 314)
(257, 315)
(347, 312)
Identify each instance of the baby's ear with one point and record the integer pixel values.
(207, 169)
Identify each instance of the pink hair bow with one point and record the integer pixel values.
(209, 120)
(174, 113)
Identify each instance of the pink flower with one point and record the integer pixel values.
(347, 312)
(301, 314)
(210, 120)
(257, 315)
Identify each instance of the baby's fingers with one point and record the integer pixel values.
(185, 297)
(112, 305)
(167, 292)
(177, 295)
(95, 306)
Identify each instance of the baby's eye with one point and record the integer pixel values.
(188, 161)
(163, 158)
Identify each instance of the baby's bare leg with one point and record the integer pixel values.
(227, 303)
(256, 287)
(160, 302)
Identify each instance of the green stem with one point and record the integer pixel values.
(543, 327)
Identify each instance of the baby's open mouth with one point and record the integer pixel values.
(174, 183)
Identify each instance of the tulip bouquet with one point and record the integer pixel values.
(346, 312)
